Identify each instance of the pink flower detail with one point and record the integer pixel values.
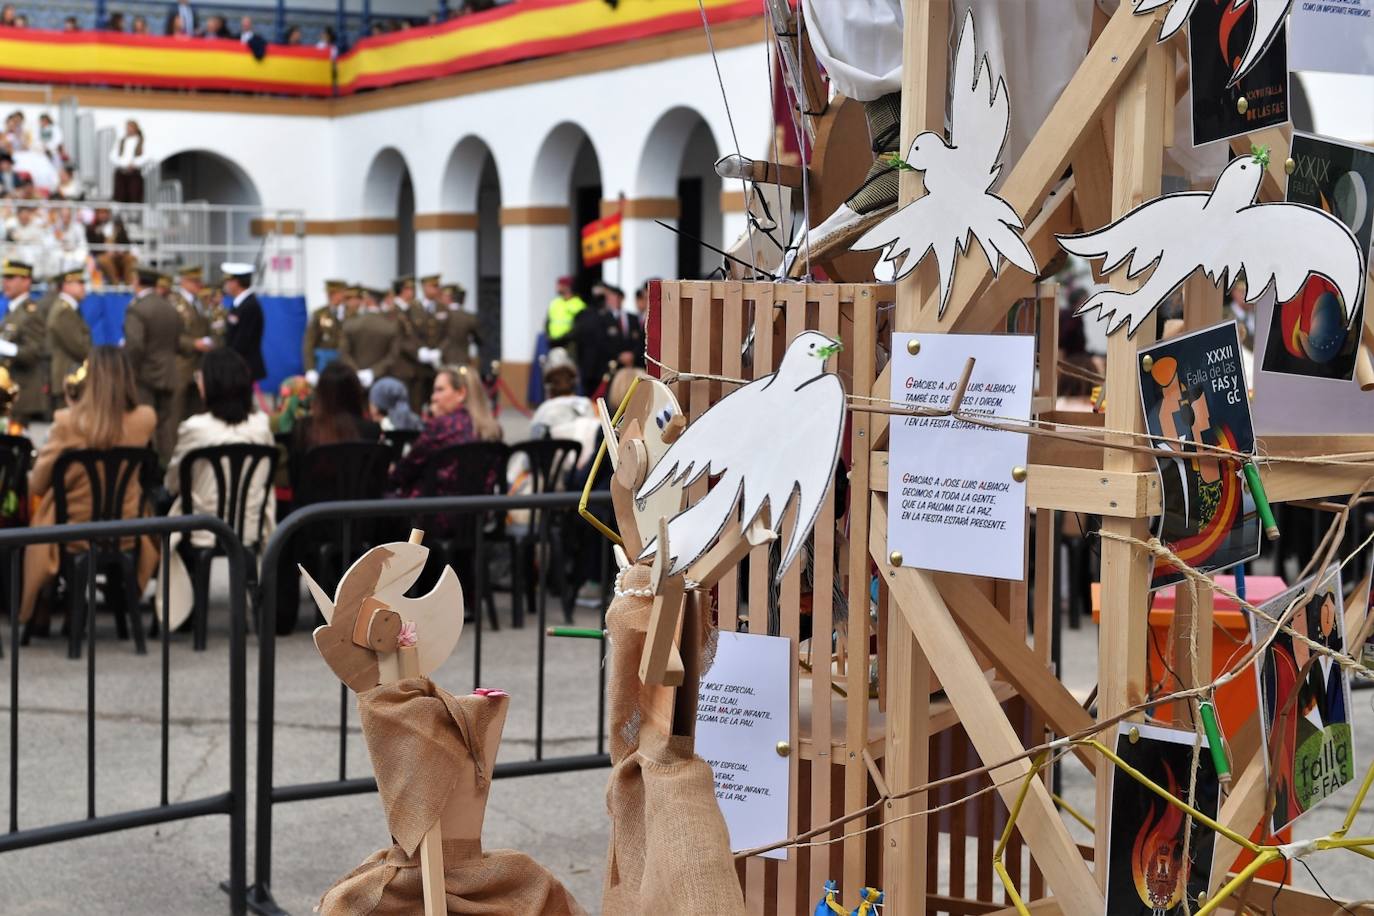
(489, 692)
(406, 638)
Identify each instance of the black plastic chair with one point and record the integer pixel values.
(400, 441)
(234, 469)
(471, 469)
(549, 462)
(109, 473)
(342, 471)
(16, 457)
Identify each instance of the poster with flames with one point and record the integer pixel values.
(1304, 700)
(1146, 871)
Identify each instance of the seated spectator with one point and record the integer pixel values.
(338, 413)
(9, 179)
(226, 389)
(328, 40)
(459, 414)
(114, 22)
(106, 415)
(294, 36)
(70, 24)
(255, 43)
(69, 187)
(216, 27)
(50, 138)
(391, 405)
(9, 19)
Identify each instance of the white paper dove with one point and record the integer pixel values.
(1223, 233)
(772, 441)
(958, 175)
(1269, 18)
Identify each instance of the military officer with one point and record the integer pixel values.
(24, 342)
(431, 289)
(245, 317)
(371, 343)
(397, 307)
(197, 338)
(460, 337)
(152, 335)
(321, 344)
(69, 337)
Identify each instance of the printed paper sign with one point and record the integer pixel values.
(1335, 35)
(1146, 873)
(1192, 389)
(1305, 701)
(1219, 38)
(744, 708)
(953, 504)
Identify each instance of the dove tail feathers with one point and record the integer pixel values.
(692, 531)
(1117, 308)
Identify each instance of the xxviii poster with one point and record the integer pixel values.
(1315, 333)
(1193, 392)
(1219, 33)
(1304, 700)
(1146, 871)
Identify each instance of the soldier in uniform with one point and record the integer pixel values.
(321, 344)
(371, 343)
(197, 338)
(152, 335)
(405, 313)
(69, 338)
(24, 343)
(245, 317)
(431, 290)
(460, 337)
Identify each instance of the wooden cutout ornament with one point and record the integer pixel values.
(958, 175)
(770, 442)
(1269, 18)
(1223, 233)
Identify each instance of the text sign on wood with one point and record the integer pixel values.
(743, 712)
(955, 504)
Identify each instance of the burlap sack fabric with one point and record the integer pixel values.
(420, 738)
(670, 850)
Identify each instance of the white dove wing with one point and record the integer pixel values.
(1174, 20)
(1269, 15)
(1138, 238)
(979, 114)
(710, 443)
(1284, 243)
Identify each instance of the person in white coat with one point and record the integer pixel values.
(129, 158)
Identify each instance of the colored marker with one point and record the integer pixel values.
(1266, 512)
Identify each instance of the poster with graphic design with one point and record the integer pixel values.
(1315, 333)
(1193, 393)
(1219, 37)
(1304, 699)
(1146, 871)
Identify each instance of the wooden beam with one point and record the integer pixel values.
(1016, 664)
(927, 615)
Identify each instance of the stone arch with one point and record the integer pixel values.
(389, 195)
(470, 168)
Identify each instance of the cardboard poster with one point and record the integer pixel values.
(1146, 873)
(1333, 35)
(1315, 333)
(744, 708)
(1194, 390)
(1304, 701)
(954, 505)
(1219, 35)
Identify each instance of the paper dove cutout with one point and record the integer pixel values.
(386, 573)
(958, 174)
(1223, 233)
(1269, 18)
(771, 441)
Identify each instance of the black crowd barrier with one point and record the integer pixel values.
(346, 515)
(234, 800)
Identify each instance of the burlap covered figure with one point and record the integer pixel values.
(428, 746)
(670, 850)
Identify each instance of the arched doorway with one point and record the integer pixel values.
(567, 173)
(389, 197)
(677, 164)
(469, 240)
(207, 237)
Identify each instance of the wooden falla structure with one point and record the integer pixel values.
(960, 685)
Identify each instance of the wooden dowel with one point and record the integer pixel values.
(958, 399)
(432, 846)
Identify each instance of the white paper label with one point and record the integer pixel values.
(1335, 35)
(952, 503)
(744, 708)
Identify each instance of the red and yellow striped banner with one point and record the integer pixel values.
(114, 59)
(522, 30)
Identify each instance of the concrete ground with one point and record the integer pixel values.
(176, 868)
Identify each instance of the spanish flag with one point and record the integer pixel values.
(601, 240)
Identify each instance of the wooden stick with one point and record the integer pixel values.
(957, 400)
(432, 846)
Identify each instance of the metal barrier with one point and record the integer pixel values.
(260, 898)
(234, 801)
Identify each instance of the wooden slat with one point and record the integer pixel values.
(756, 872)
(732, 337)
(951, 660)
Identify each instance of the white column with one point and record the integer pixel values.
(648, 250)
(452, 253)
(532, 259)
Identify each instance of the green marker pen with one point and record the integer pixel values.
(1266, 512)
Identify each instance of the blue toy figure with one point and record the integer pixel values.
(828, 905)
(872, 899)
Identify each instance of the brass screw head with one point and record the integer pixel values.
(1242, 106)
(784, 749)
(1289, 166)
(913, 346)
(895, 557)
(1019, 474)
(1133, 734)
(1147, 362)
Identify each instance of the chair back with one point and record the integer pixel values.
(234, 468)
(470, 469)
(549, 461)
(400, 441)
(16, 457)
(109, 473)
(342, 471)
